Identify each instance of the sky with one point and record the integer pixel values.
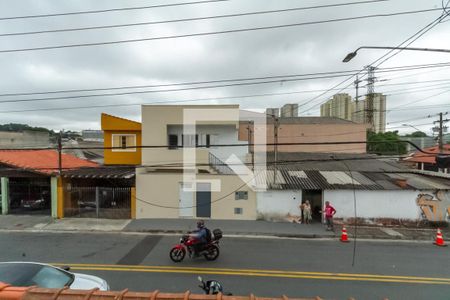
(260, 53)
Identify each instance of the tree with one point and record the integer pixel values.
(417, 134)
(387, 143)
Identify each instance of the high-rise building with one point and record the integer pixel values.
(273, 112)
(340, 106)
(289, 110)
(362, 110)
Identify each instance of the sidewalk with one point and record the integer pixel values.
(229, 227)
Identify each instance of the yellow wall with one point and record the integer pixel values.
(115, 125)
(122, 158)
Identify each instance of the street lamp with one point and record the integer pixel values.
(351, 55)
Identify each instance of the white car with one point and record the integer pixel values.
(47, 276)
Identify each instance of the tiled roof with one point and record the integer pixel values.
(113, 172)
(41, 161)
(428, 158)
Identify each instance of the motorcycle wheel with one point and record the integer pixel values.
(213, 253)
(177, 255)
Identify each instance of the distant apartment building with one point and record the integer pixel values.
(289, 110)
(273, 112)
(341, 106)
(92, 135)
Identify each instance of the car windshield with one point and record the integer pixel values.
(25, 274)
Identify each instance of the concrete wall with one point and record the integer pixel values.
(276, 205)
(157, 196)
(375, 204)
(219, 135)
(157, 118)
(312, 133)
(25, 139)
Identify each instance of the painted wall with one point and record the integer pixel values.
(220, 135)
(115, 125)
(118, 157)
(277, 205)
(157, 196)
(155, 121)
(314, 133)
(375, 204)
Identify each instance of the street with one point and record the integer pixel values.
(265, 267)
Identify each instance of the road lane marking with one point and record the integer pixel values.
(261, 273)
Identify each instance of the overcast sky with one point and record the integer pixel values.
(294, 50)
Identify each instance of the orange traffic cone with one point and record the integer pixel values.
(344, 237)
(439, 239)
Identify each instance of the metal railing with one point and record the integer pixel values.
(219, 166)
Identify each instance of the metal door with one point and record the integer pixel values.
(186, 209)
(203, 200)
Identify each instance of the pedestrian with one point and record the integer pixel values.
(300, 220)
(307, 212)
(329, 213)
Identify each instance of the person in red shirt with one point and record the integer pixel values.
(329, 213)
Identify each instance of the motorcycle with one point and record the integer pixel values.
(187, 243)
(211, 287)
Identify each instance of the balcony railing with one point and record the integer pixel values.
(219, 166)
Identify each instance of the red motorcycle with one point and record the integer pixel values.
(187, 244)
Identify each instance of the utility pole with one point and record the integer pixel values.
(440, 129)
(251, 149)
(370, 94)
(60, 153)
(275, 148)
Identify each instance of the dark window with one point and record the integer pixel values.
(196, 140)
(238, 210)
(173, 141)
(241, 195)
(123, 142)
(208, 141)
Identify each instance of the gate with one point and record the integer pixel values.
(97, 202)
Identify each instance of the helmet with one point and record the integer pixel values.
(215, 287)
(200, 224)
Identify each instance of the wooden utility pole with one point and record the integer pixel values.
(60, 153)
(275, 148)
(440, 129)
(251, 149)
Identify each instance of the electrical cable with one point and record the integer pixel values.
(248, 29)
(261, 12)
(107, 10)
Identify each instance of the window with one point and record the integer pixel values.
(189, 140)
(241, 195)
(238, 210)
(173, 141)
(208, 141)
(122, 141)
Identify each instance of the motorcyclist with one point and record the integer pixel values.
(202, 234)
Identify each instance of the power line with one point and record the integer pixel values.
(281, 79)
(261, 12)
(107, 10)
(408, 41)
(217, 32)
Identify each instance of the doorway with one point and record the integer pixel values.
(315, 198)
(186, 201)
(203, 200)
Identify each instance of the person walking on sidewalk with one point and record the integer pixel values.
(307, 216)
(329, 213)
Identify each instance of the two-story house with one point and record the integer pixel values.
(183, 172)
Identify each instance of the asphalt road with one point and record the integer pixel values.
(265, 267)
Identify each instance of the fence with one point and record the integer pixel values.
(29, 195)
(97, 202)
